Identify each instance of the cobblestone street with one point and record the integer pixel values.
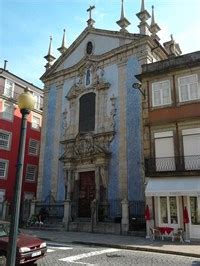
(85, 255)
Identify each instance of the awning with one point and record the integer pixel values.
(170, 186)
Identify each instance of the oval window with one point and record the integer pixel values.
(89, 48)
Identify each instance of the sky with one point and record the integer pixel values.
(26, 25)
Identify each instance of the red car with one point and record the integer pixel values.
(29, 248)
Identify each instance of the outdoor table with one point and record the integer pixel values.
(166, 231)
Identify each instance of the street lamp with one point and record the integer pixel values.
(26, 104)
(137, 86)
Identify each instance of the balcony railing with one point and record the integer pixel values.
(155, 166)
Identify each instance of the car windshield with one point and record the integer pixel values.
(4, 230)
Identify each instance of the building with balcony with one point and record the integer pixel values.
(171, 140)
(11, 86)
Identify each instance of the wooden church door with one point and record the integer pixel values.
(86, 193)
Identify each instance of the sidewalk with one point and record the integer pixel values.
(117, 241)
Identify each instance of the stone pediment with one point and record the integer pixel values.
(77, 50)
(86, 146)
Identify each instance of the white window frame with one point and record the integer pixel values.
(33, 124)
(5, 114)
(171, 160)
(36, 148)
(6, 168)
(37, 98)
(189, 160)
(35, 173)
(9, 88)
(161, 93)
(188, 88)
(7, 147)
(174, 225)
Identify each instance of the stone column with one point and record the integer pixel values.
(67, 213)
(147, 229)
(187, 233)
(125, 217)
(97, 183)
(69, 174)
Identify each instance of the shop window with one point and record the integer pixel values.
(163, 210)
(161, 93)
(168, 210)
(189, 88)
(194, 210)
(173, 210)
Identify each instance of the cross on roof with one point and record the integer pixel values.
(90, 11)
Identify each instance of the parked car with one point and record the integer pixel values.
(29, 248)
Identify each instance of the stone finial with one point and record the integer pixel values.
(154, 28)
(63, 47)
(172, 47)
(123, 22)
(90, 21)
(142, 6)
(143, 16)
(49, 57)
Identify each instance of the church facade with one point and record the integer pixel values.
(91, 146)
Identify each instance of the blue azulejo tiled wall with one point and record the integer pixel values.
(134, 138)
(111, 75)
(48, 150)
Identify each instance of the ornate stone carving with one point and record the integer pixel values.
(113, 112)
(87, 145)
(97, 80)
(64, 123)
(75, 91)
(84, 144)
